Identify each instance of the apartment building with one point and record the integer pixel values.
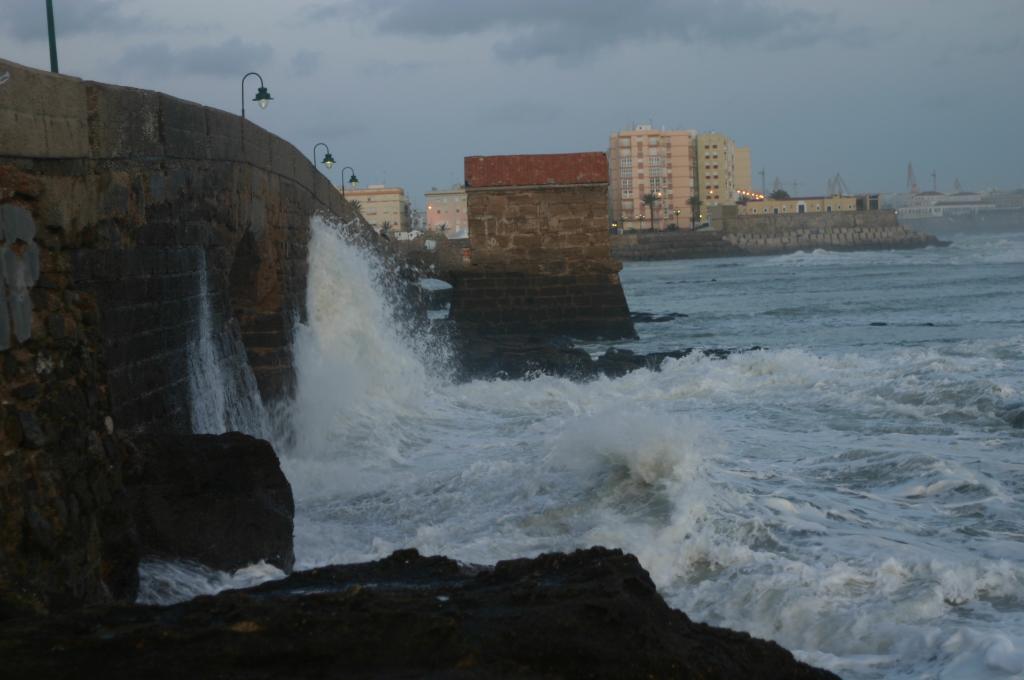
(447, 208)
(716, 169)
(383, 207)
(744, 180)
(648, 161)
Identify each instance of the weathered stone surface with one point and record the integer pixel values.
(590, 614)
(539, 257)
(19, 272)
(133, 195)
(220, 500)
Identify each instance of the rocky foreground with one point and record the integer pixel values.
(593, 613)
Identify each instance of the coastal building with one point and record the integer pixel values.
(802, 204)
(539, 258)
(386, 208)
(446, 211)
(744, 178)
(647, 161)
(716, 169)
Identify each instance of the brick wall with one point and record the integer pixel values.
(536, 170)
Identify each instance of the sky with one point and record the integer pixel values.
(402, 90)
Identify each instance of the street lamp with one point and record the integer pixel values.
(353, 180)
(262, 97)
(51, 29)
(328, 158)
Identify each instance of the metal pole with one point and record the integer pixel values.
(250, 73)
(53, 36)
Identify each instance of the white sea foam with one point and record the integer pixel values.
(854, 496)
(222, 387)
(168, 582)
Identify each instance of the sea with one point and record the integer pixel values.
(851, 489)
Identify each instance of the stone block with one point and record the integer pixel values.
(284, 158)
(124, 122)
(256, 143)
(225, 135)
(42, 115)
(184, 129)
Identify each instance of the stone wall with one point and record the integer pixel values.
(772, 235)
(671, 245)
(860, 230)
(140, 204)
(540, 258)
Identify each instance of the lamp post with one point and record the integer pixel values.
(328, 158)
(353, 180)
(262, 97)
(53, 35)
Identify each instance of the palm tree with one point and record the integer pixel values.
(694, 202)
(649, 200)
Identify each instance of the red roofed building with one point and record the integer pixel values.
(539, 247)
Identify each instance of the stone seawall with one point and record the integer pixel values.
(774, 235)
(140, 205)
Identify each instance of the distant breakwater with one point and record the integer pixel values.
(773, 235)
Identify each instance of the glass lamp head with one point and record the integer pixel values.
(262, 98)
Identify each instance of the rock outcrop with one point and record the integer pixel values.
(590, 614)
(514, 357)
(221, 500)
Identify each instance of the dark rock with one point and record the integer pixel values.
(593, 613)
(32, 433)
(27, 392)
(1015, 417)
(221, 500)
(515, 357)
(878, 323)
(648, 317)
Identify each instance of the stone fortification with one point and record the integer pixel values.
(138, 208)
(773, 235)
(540, 258)
(861, 230)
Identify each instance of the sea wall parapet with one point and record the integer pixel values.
(773, 235)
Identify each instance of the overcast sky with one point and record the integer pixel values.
(403, 89)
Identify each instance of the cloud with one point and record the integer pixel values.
(305, 63)
(568, 29)
(230, 58)
(26, 19)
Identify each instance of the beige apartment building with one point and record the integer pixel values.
(806, 204)
(447, 208)
(383, 207)
(659, 162)
(743, 178)
(716, 169)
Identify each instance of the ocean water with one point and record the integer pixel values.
(852, 490)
